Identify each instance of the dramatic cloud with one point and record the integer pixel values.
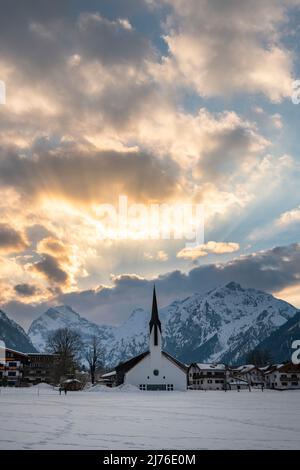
(229, 47)
(165, 102)
(25, 290)
(289, 217)
(110, 41)
(209, 247)
(54, 247)
(89, 176)
(10, 239)
(214, 145)
(159, 256)
(50, 268)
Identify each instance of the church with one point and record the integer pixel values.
(154, 369)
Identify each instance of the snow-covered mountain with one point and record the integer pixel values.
(281, 340)
(222, 325)
(13, 335)
(65, 317)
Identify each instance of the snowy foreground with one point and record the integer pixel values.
(39, 418)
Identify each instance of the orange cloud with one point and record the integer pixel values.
(218, 248)
(54, 247)
(51, 269)
(11, 240)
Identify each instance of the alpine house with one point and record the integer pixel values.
(154, 369)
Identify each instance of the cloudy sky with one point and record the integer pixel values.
(165, 102)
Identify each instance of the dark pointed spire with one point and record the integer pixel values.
(155, 321)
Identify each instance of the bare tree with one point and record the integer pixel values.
(66, 344)
(94, 355)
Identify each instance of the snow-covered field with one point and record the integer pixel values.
(42, 419)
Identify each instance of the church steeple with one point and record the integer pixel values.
(154, 323)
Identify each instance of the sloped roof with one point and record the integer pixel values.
(69, 381)
(286, 367)
(175, 361)
(246, 368)
(289, 367)
(15, 351)
(264, 368)
(126, 366)
(108, 374)
(41, 354)
(210, 366)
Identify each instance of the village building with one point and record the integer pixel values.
(154, 369)
(25, 369)
(235, 383)
(71, 385)
(12, 367)
(283, 376)
(253, 375)
(207, 376)
(219, 377)
(39, 368)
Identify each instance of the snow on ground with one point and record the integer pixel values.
(42, 419)
(43, 386)
(121, 388)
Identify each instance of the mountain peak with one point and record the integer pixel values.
(63, 316)
(61, 311)
(234, 286)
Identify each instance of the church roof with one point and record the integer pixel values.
(126, 366)
(176, 362)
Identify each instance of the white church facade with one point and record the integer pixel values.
(154, 369)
